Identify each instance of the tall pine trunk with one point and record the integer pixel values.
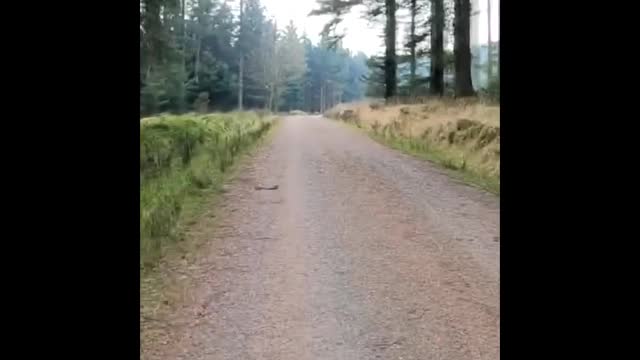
(462, 50)
(390, 61)
(276, 97)
(183, 24)
(412, 47)
(489, 45)
(436, 84)
(322, 98)
(498, 42)
(197, 65)
(241, 64)
(152, 26)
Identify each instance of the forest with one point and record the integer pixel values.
(216, 55)
(206, 55)
(428, 25)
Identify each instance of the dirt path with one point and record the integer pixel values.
(361, 253)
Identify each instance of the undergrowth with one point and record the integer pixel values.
(181, 158)
(462, 136)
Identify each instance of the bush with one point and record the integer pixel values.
(180, 155)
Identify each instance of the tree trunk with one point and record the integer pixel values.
(197, 65)
(240, 82)
(184, 36)
(241, 65)
(321, 98)
(436, 83)
(462, 50)
(489, 45)
(152, 26)
(412, 47)
(332, 96)
(276, 101)
(267, 102)
(390, 62)
(268, 81)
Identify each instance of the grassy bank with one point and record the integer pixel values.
(462, 135)
(181, 159)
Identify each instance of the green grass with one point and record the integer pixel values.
(183, 160)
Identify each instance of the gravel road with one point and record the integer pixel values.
(360, 253)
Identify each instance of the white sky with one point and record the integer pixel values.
(482, 17)
(361, 36)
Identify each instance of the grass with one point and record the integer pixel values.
(462, 136)
(183, 160)
(457, 167)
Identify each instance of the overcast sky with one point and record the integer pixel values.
(482, 17)
(361, 35)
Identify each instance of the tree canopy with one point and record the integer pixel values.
(190, 55)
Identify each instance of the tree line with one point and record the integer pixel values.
(428, 21)
(207, 55)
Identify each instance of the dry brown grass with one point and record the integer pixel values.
(464, 133)
(421, 116)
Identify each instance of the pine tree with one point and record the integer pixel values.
(253, 44)
(162, 75)
(241, 62)
(291, 57)
(462, 50)
(375, 78)
(489, 44)
(338, 8)
(390, 60)
(189, 60)
(436, 84)
(413, 43)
